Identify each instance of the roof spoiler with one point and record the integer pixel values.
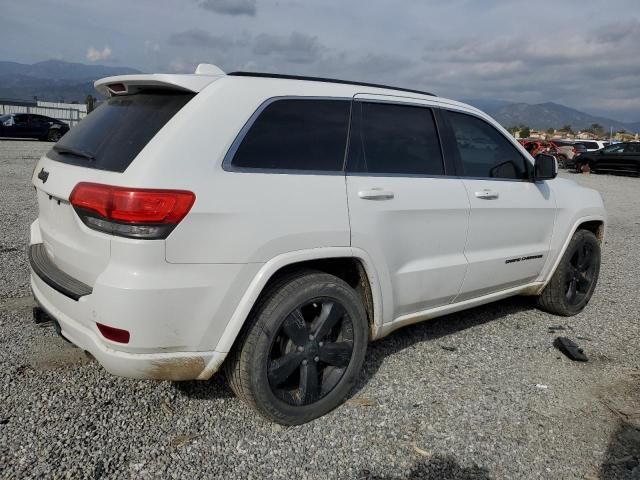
(126, 84)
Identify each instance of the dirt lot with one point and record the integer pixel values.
(476, 395)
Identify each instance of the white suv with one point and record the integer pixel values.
(275, 225)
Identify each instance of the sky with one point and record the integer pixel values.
(583, 54)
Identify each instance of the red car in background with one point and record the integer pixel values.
(564, 151)
(536, 147)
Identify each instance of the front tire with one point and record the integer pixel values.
(575, 278)
(302, 349)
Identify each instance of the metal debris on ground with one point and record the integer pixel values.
(570, 349)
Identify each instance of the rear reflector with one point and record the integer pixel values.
(114, 334)
(131, 212)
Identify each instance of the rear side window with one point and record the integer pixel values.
(591, 145)
(118, 130)
(482, 151)
(394, 139)
(296, 134)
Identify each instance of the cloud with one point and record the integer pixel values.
(230, 7)
(95, 55)
(199, 38)
(179, 65)
(150, 46)
(295, 48)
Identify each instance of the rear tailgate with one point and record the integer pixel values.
(98, 150)
(71, 246)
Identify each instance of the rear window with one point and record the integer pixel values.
(394, 139)
(591, 145)
(118, 130)
(296, 134)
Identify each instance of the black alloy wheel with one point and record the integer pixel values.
(54, 135)
(310, 352)
(302, 349)
(575, 278)
(580, 274)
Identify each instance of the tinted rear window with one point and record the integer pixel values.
(119, 129)
(591, 145)
(296, 134)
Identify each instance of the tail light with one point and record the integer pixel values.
(131, 212)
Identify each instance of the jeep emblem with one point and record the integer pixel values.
(43, 175)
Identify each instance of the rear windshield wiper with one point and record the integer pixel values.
(74, 151)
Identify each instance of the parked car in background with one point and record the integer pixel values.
(567, 152)
(619, 158)
(594, 145)
(276, 237)
(536, 147)
(31, 125)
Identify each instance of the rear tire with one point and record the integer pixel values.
(562, 161)
(575, 278)
(302, 349)
(54, 135)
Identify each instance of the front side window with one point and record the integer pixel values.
(394, 139)
(482, 151)
(297, 134)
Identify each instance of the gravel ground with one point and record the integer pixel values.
(476, 395)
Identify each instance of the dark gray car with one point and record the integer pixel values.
(31, 125)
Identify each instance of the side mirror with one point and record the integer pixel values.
(546, 167)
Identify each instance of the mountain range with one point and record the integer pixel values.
(547, 115)
(53, 80)
(56, 80)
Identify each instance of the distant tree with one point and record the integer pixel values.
(525, 132)
(596, 129)
(551, 131)
(566, 129)
(91, 103)
(513, 130)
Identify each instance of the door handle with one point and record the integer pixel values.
(487, 194)
(375, 194)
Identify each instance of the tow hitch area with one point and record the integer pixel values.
(40, 317)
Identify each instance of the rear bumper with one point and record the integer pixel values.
(42, 266)
(161, 366)
(176, 314)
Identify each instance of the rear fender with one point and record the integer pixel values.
(271, 267)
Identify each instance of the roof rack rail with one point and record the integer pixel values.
(322, 79)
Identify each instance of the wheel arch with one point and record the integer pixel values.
(595, 224)
(356, 270)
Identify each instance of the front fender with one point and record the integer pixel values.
(576, 205)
